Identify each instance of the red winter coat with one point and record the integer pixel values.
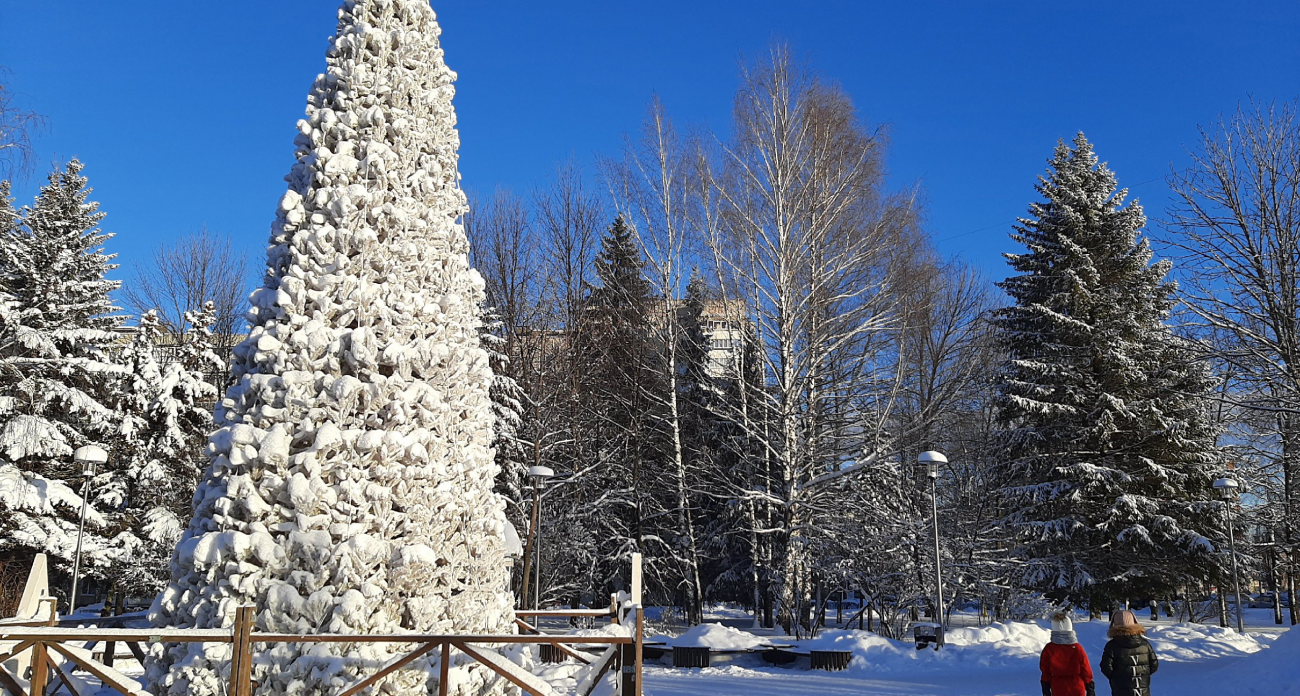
(1066, 668)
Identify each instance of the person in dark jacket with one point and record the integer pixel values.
(1128, 659)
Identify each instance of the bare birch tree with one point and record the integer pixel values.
(804, 233)
(652, 188)
(17, 127)
(1235, 224)
(183, 275)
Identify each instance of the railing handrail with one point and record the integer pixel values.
(561, 613)
(225, 635)
(623, 651)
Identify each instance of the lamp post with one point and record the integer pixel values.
(89, 457)
(931, 461)
(1227, 489)
(539, 476)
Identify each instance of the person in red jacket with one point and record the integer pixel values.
(1065, 667)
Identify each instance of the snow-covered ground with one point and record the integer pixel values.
(998, 660)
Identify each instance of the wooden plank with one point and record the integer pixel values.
(16, 649)
(640, 642)
(434, 638)
(562, 613)
(592, 677)
(66, 679)
(495, 662)
(241, 656)
(109, 647)
(627, 670)
(40, 670)
(136, 650)
(73, 635)
(442, 669)
(205, 635)
(560, 646)
(389, 669)
(11, 684)
(111, 677)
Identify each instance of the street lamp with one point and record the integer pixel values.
(89, 457)
(539, 476)
(1227, 489)
(931, 461)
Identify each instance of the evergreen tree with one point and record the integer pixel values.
(507, 405)
(1107, 445)
(617, 394)
(166, 417)
(696, 384)
(56, 343)
(350, 483)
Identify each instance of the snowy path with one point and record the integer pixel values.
(1195, 661)
(1174, 678)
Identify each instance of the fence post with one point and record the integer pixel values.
(111, 608)
(40, 656)
(241, 653)
(640, 639)
(444, 665)
(40, 669)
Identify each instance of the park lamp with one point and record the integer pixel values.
(89, 457)
(1227, 488)
(932, 460)
(540, 475)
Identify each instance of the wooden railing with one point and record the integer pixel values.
(46, 640)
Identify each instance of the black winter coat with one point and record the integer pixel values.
(1128, 662)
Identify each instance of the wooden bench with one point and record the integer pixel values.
(830, 660)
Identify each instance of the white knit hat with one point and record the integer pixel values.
(1061, 621)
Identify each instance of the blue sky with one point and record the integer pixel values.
(184, 111)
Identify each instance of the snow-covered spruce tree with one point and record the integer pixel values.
(166, 418)
(1108, 452)
(507, 403)
(56, 373)
(349, 488)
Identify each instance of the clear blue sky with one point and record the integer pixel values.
(184, 111)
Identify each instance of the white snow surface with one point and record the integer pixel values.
(997, 660)
(715, 636)
(1271, 672)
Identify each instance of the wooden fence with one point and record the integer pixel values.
(46, 640)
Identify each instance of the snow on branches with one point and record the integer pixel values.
(1108, 448)
(350, 485)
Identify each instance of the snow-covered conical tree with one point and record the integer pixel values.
(58, 372)
(1109, 450)
(350, 483)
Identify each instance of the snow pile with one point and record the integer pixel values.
(1188, 642)
(1018, 645)
(715, 636)
(1273, 670)
(349, 487)
(989, 647)
(1014, 639)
